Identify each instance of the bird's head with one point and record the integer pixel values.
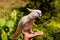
(37, 13)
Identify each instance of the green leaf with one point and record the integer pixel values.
(4, 35)
(2, 22)
(10, 23)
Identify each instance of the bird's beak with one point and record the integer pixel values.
(40, 15)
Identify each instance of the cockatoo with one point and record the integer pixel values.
(26, 22)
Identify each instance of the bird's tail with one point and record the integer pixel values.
(16, 34)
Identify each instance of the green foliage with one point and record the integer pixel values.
(2, 22)
(4, 35)
(49, 23)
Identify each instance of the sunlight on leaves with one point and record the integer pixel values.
(14, 14)
(10, 23)
(54, 23)
(2, 22)
(4, 35)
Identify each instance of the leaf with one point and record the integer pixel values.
(4, 35)
(10, 23)
(54, 24)
(14, 14)
(2, 22)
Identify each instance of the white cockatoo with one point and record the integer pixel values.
(26, 22)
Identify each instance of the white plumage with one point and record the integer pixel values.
(26, 22)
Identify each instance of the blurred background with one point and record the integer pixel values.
(11, 11)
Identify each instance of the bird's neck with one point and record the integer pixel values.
(31, 16)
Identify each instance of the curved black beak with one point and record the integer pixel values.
(40, 14)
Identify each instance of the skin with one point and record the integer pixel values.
(28, 36)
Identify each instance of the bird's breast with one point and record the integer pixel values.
(28, 25)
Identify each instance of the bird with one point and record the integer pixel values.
(26, 22)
